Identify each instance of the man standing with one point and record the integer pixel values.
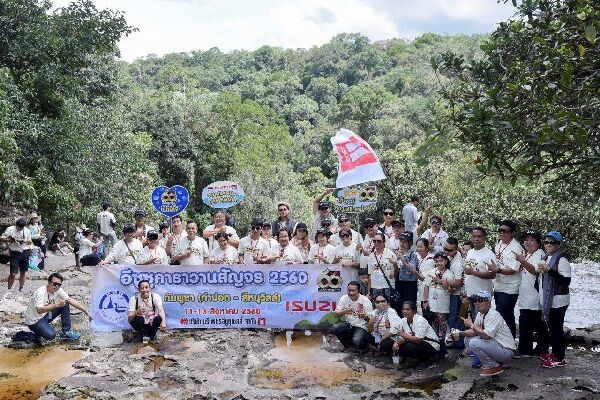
(106, 227)
(508, 277)
(283, 221)
(20, 246)
(145, 313)
(478, 275)
(354, 309)
(321, 210)
(488, 337)
(192, 250)
(253, 249)
(456, 266)
(47, 303)
(411, 214)
(141, 229)
(175, 236)
(436, 235)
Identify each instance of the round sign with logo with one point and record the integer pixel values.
(170, 201)
(222, 194)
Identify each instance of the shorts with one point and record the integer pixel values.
(19, 262)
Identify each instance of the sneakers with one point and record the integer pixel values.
(546, 356)
(492, 371)
(552, 362)
(476, 362)
(70, 335)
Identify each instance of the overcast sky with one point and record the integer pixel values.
(169, 26)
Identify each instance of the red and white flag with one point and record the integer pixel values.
(358, 161)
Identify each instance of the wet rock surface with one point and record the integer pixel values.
(258, 364)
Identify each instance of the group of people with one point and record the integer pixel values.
(399, 264)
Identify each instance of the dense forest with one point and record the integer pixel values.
(79, 127)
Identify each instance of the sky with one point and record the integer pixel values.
(172, 26)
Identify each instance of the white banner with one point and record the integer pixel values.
(223, 296)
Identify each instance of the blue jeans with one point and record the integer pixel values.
(351, 335)
(505, 305)
(106, 240)
(44, 326)
(454, 322)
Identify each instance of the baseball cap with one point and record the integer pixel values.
(555, 235)
(128, 228)
(301, 225)
(324, 205)
(152, 235)
(408, 236)
(483, 294)
(21, 222)
(139, 213)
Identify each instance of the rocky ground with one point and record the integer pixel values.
(247, 364)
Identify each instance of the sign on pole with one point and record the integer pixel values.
(170, 201)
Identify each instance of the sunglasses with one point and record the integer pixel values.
(479, 300)
(326, 224)
(344, 220)
(388, 213)
(449, 250)
(436, 222)
(56, 284)
(369, 226)
(377, 241)
(344, 236)
(282, 209)
(502, 230)
(380, 301)
(256, 228)
(323, 208)
(549, 242)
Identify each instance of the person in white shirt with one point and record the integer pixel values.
(354, 309)
(488, 337)
(393, 241)
(126, 251)
(265, 233)
(436, 294)
(284, 252)
(383, 324)
(153, 253)
(555, 278)
(145, 313)
(416, 338)
(530, 313)
(321, 252)
(411, 214)
(106, 227)
(253, 249)
(322, 210)
(224, 253)
(478, 275)
(141, 228)
(382, 266)
(218, 225)
(192, 250)
(163, 234)
(88, 249)
(436, 235)
(47, 303)
(386, 226)
(456, 266)
(20, 246)
(301, 240)
(346, 253)
(345, 223)
(367, 245)
(508, 276)
(175, 237)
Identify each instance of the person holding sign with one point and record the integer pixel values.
(253, 249)
(175, 237)
(217, 226)
(224, 253)
(321, 252)
(284, 252)
(192, 250)
(146, 313)
(321, 210)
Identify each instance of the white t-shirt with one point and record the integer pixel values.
(477, 260)
(146, 305)
(175, 242)
(348, 255)
(317, 221)
(564, 268)
(147, 253)
(361, 304)
(529, 298)
(289, 255)
(42, 298)
(388, 231)
(334, 240)
(303, 249)
(495, 326)
(272, 243)
(85, 247)
(420, 328)
(411, 216)
(249, 248)
(229, 256)
(104, 218)
(327, 251)
(425, 264)
(212, 243)
(457, 268)
(124, 256)
(387, 321)
(367, 244)
(438, 241)
(199, 250)
(23, 234)
(505, 258)
(439, 298)
(385, 267)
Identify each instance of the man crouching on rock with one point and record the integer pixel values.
(146, 313)
(47, 303)
(355, 309)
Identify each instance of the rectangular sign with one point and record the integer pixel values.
(223, 296)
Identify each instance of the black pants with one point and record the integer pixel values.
(38, 243)
(91, 259)
(352, 335)
(146, 329)
(557, 334)
(423, 351)
(407, 290)
(530, 324)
